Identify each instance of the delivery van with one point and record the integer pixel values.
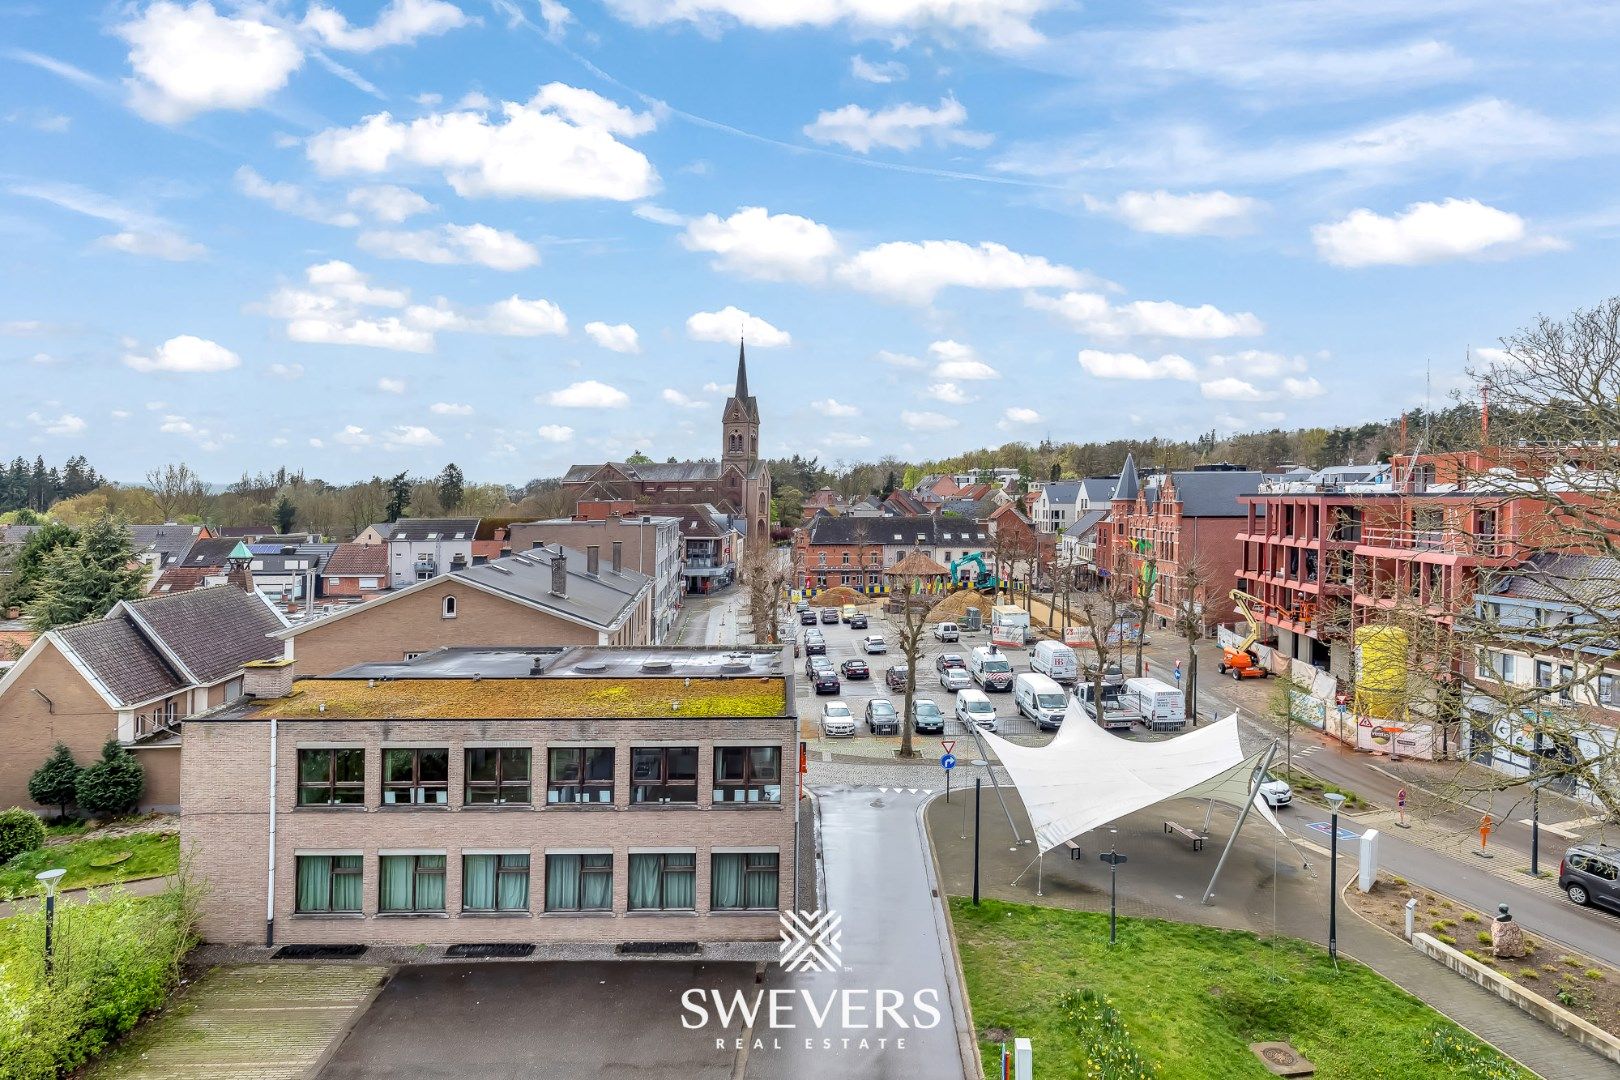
(847, 612)
(1040, 699)
(1156, 704)
(990, 668)
(1055, 660)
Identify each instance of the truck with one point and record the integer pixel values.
(1009, 625)
(1115, 716)
(1156, 704)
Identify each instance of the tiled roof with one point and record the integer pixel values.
(183, 579)
(127, 666)
(922, 529)
(602, 600)
(169, 542)
(1099, 489)
(357, 560)
(210, 552)
(430, 529)
(17, 534)
(1085, 523)
(1582, 581)
(212, 631)
(1062, 492)
(1215, 493)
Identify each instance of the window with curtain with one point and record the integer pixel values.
(579, 882)
(328, 883)
(665, 881)
(743, 881)
(663, 774)
(748, 774)
(416, 777)
(580, 774)
(497, 775)
(410, 883)
(495, 882)
(331, 777)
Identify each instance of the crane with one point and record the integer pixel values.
(1240, 662)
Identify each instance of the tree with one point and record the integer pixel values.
(84, 580)
(1191, 595)
(20, 831)
(638, 458)
(398, 490)
(29, 564)
(909, 605)
(112, 785)
(452, 485)
(178, 490)
(1099, 614)
(766, 575)
(55, 783)
(285, 513)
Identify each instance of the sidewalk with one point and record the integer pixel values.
(138, 887)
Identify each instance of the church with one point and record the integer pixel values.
(737, 483)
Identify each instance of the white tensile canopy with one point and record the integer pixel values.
(1086, 777)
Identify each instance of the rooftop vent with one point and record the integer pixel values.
(616, 556)
(591, 667)
(559, 573)
(656, 664)
(593, 559)
(735, 666)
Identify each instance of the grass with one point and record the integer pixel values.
(1192, 998)
(150, 854)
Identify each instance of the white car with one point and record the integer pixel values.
(1276, 792)
(836, 720)
(874, 643)
(973, 709)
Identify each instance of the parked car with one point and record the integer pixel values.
(973, 709)
(990, 668)
(881, 717)
(1040, 699)
(807, 617)
(855, 668)
(802, 606)
(1276, 792)
(829, 615)
(857, 621)
(874, 643)
(947, 631)
(953, 674)
(1112, 674)
(815, 644)
(926, 719)
(847, 612)
(895, 677)
(824, 680)
(1590, 874)
(836, 720)
(813, 662)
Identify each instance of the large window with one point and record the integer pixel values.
(411, 883)
(663, 774)
(1606, 691)
(497, 775)
(1566, 684)
(579, 882)
(666, 881)
(580, 774)
(416, 777)
(328, 883)
(743, 881)
(495, 882)
(748, 774)
(331, 777)
(1544, 674)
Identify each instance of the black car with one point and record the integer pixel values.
(881, 717)
(857, 621)
(829, 615)
(1590, 874)
(825, 680)
(895, 677)
(926, 719)
(807, 618)
(855, 669)
(815, 646)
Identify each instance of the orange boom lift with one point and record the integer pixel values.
(1241, 662)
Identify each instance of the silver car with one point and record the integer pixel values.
(836, 720)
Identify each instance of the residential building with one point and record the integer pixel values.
(712, 544)
(902, 503)
(1078, 544)
(424, 548)
(163, 546)
(288, 574)
(590, 802)
(854, 551)
(543, 596)
(650, 544)
(823, 499)
(133, 675)
(376, 533)
(355, 572)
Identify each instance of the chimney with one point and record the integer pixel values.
(239, 575)
(618, 556)
(559, 573)
(268, 678)
(593, 560)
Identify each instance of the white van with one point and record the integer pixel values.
(1040, 699)
(1055, 660)
(991, 670)
(973, 709)
(1157, 704)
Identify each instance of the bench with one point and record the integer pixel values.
(1186, 833)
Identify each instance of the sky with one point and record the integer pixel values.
(356, 237)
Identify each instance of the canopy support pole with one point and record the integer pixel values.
(1242, 815)
(1209, 815)
(991, 769)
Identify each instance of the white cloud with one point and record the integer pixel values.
(516, 317)
(832, 407)
(407, 436)
(351, 435)
(401, 22)
(557, 433)
(1093, 314)
(899, 360)
(949, 393)
(615, 337)
(1490, 354)
(65, 424)
(656, 214)
(186, 354)
(1106, 365)
(559, 145)
(730, 323)
(915, 272)
(291, 199)
(119, 414)
(681, 401)
(140, 233)
(389, 202)
(1303, 388)
(316, 442)
(480, 245)
(556, 17)
(1208, 213)
(881, 72)
(958, 361)
(178, 425)
(1000, 24)
(331, 311)
(343, 281)
(450, 408)
(158, 245)
(1018, 415)
(1231, 388)
(757, 243)
(926, 421)
(846, 439)
(188, 60)
(1256, 363)
(391, 386)
(287, 371)
(899, 127)
(1424, 232)
(589, 394)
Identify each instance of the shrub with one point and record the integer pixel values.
(20, 831)
(1593, 973)
(1457, 1050)
(1529, 973)
(1445, 939)
(1470, 916)
(56, 782)
(112, 785)
(1483, 937)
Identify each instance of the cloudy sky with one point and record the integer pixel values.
(357, 236)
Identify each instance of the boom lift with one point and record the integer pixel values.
(1241, 662)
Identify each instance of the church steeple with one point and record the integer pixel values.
(742, 371)
(739, 422)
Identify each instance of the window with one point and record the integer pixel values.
(579, 882)
(743, 881)
(328, 883)
(497, 775)
(748, 774)
(411, 883)
(331, 777)
(821, 560)
(1544, 676)
(416, 777)
(495, 882)
(663, 774)
(1606, 690)
(1566, 684)
(580, 774)
(846, 558)
(666, 881)
(449, 608)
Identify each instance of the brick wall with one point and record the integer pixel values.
(30, 725)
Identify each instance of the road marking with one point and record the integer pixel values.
(1556, 830)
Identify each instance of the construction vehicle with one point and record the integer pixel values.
(982, 580)
(1241, 662)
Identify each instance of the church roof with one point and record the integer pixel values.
(740, 397)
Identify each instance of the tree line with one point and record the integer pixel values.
(36, 488)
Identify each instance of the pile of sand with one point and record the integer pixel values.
(838, 596)
(956, 605)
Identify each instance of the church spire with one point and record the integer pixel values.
(741, 393)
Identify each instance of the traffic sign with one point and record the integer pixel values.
(1112, 857)
(948, 745)
(947, 762)
(1178, 674)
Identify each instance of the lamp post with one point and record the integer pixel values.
(1535, 830)
(1113, 859)
(1335, 800)
(49, 878)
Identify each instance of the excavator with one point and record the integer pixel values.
(1241, 662)
(983, 580)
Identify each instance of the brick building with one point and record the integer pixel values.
(650, 544)
(854, 551)
(355, 572)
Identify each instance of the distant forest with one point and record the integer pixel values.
(38, 487)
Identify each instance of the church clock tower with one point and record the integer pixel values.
(740, 421)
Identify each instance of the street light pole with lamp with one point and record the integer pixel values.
(49, 878)
(1335, 800)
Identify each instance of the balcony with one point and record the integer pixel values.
(1440, 541)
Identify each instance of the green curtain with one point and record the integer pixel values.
(597, 893)
(761, 886)
(430, 886)
(514, 886)
(346, 888)
(478, 882)
(395, 874)
(562, 882)
(644, 874)
(314, 877)
(680, 889)
(727, 882)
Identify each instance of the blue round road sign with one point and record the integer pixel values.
(947, 761)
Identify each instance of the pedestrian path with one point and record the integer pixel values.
(136, 887)
(1504, 862)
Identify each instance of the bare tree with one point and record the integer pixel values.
(178, 490)
(766, 576)
(910, 599)
(1098, 613)
(1191, 588)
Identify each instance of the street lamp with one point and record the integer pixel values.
(1335, 800)
(1113, 859)
(49, 878)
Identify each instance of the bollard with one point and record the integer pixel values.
(1023, 1060)
(1367, 873)
(1411, 915)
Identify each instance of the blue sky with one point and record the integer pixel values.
(358, 237)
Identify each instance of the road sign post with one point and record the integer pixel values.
(1113, 859)
(947, 761)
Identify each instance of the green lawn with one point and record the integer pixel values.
(1192, 999)
(150, 854)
